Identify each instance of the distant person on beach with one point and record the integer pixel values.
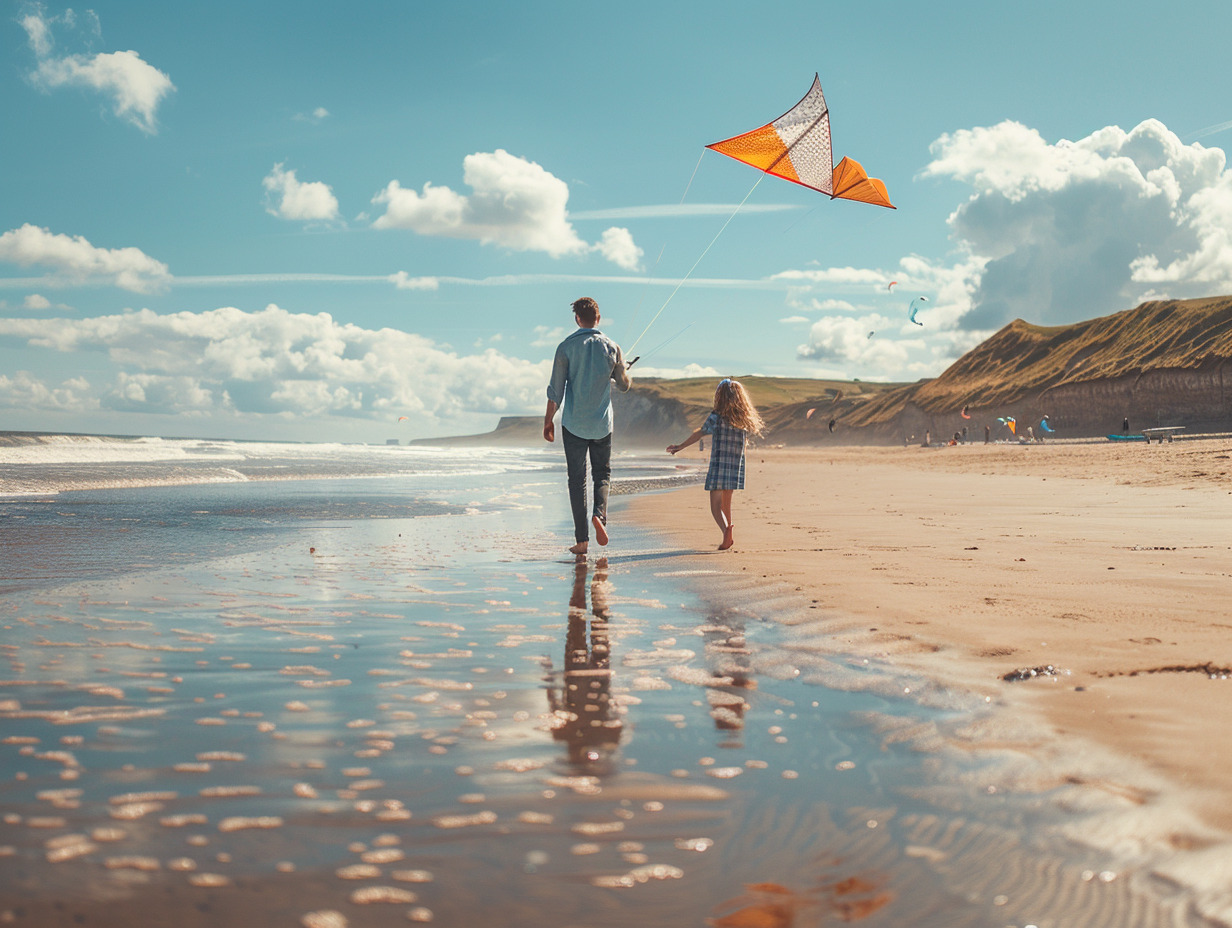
(586, 363)
(730, 422)
(1125, 426)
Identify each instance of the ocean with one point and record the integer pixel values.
(330, 685)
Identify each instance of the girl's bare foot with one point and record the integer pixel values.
(728, 539)
(600, 530)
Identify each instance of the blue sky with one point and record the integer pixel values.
(263, 220)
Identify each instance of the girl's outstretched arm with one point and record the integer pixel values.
(692, 439)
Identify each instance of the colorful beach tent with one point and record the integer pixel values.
(796, 147)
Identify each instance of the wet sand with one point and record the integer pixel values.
(1109, 564)
(372, 716)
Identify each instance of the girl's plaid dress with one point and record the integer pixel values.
(726, 454)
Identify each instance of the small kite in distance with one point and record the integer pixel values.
(891, 286)
(1044, 426)
(871, 334)
(809, 414)
(832, 421)
(964, 413)
(1010, 423)
(402, 418)
(796, 147)
(915, 308)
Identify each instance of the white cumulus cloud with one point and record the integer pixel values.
(74, 258)
(304, 201)
(24, 391)
(1067, 231)
(514, 204)
(618, 247)
(293, 365)
(687, 372)
(853, 341)
(135, 87)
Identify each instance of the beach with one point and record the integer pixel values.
(1083, 587)
(322, 687)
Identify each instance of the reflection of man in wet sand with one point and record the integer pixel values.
(584, 716)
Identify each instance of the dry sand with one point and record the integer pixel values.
(1111, 562)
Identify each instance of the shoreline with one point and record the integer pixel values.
(972, 564)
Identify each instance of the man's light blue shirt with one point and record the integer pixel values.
(581, 383)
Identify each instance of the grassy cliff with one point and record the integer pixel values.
(1180, 345)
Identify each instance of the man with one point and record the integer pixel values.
(586, 364)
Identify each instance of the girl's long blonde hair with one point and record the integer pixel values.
(732, 402)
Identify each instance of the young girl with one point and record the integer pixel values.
(731, 421)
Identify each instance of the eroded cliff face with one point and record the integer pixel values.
(1162, 363)
(1200, 400)
(644, 420)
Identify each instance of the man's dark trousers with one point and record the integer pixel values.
(600, 452)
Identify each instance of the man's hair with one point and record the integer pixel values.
(587, 310)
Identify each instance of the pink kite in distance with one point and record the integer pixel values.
(796, 147)
(964, 413)
(891, 285)
(809, 414)
(402, 418)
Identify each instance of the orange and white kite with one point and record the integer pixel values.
(796, 147)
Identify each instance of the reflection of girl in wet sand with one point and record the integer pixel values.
(729, 423)
(584, 716)
(729, 661)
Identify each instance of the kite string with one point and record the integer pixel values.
(638, 310)
(693, 175)
(696, 263)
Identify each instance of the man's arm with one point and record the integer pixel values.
(549, 428)
(556, 391)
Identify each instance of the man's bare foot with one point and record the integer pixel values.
(600, 530)
(580, 547)
(728, 539)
